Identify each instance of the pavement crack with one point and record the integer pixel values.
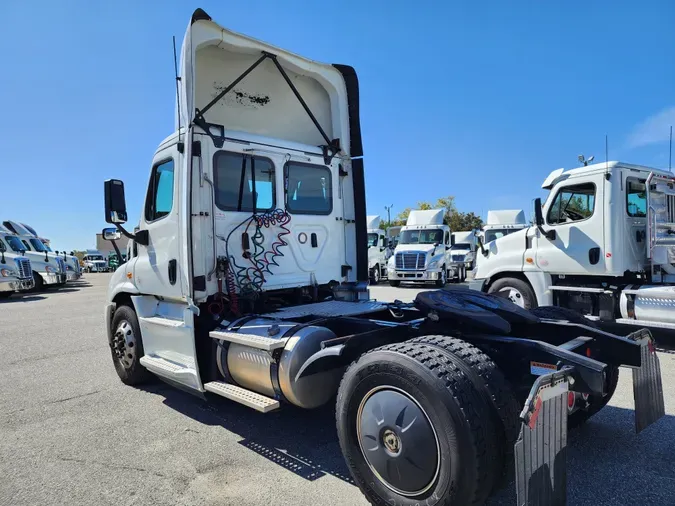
(111, 466)
(57, 401)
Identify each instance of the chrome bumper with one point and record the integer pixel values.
(53, 279)
(20, 285)
(428, 275)
(73, 276)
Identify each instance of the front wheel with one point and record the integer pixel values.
(412, 426)
(38, 281)
(443, 279)
(395, 284)
(5, 295)
(127, 347)
(375, 275)
(516, 290)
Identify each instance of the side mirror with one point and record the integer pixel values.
(115, 203)
(452, 239)
(539, 221)
(3, 248)
(111, 234)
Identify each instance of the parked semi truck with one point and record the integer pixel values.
(94, 261)
(33, 242)
(503, 222)
(379, 251)
(463, 250)
(248, 276)
(16, 273)
(422, 253)
(603, 244)
(46, 269)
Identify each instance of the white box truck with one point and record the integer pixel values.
(378, 250)
(248, 280)
(423, 250)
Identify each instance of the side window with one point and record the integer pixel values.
(572, 203)
(636, 198)
(238, 177)
(159, 200)
(28, 248)
(308, 189)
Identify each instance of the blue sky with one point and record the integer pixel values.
(475, 101)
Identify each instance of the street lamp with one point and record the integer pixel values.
(388, 208)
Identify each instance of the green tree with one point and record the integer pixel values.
(464, 221)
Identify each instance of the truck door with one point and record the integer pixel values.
(157, 266)
(576, 214)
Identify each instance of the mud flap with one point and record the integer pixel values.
(541, 448)
(647, 383)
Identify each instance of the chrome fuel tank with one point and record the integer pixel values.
(252, 368)
(649, 303)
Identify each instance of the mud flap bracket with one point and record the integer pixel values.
(647, 383)
(541, 448)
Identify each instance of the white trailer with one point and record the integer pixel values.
(602, 244)
(423, 251)
(503, 222)
(248, 280)
(378, 250)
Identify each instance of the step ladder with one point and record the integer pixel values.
(243, 396)
(660, 194)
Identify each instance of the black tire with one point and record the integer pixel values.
(5, 295)
(526, 294)
(129, 369)
(443, 280)
(39, 283)
(375, 274)
(449, 403)
(489, 378)
(395, 283)
(595, 402)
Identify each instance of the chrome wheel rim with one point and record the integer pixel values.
(376, 274)
(398, 441)
(514, 295)
(124, 344)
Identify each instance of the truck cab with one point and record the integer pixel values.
(94, 261)
(423, 250)
(46, 270)
(601, 244)
(502, 222)
(379, 251)
(463, 250)
(16, 273)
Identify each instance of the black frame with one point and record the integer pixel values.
(152, 190)
(245, 156)
(559, 191)
(286, 178)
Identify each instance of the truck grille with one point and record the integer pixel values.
(458, 258)
(25, 270)
(410, 261)
(62, 264)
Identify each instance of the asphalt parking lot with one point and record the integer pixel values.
(72, 434)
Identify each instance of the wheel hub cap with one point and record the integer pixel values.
(515, 296)
(398, 441)
(124, 344)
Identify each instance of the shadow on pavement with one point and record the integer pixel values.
(303, 442)
(21, 298)
(607, 462)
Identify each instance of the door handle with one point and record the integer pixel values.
(594, 255)
(172, 271)
(314, 240)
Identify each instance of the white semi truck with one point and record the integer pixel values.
(94, 261)
(16, 273)
(248, 279)
(46, 269)
(73, 269)
(602, 244)
(463, 250)
(503, 222)
(378, 250)
(422, 253)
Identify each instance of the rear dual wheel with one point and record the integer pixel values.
(414, 428)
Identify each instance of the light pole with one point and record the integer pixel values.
(388, 208)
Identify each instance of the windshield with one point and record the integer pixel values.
(372, 240)
(94, 257)
(37, 245)
(432, 236)
(462, 245)
(15, 243)
(496, 233)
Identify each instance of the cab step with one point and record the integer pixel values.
(250, 340)
(242, 396)
(171, 370)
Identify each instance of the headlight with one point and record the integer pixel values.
(50, 269)
(391, 263)
(433, 264)
(8, 273)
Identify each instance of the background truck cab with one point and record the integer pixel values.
(503, 222)
(16, 274)
(423, 250)
(463, 250)
(379, 251)
(94, 261)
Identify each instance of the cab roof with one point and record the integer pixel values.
(611, 166)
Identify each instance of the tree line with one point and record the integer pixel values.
(456, 220)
